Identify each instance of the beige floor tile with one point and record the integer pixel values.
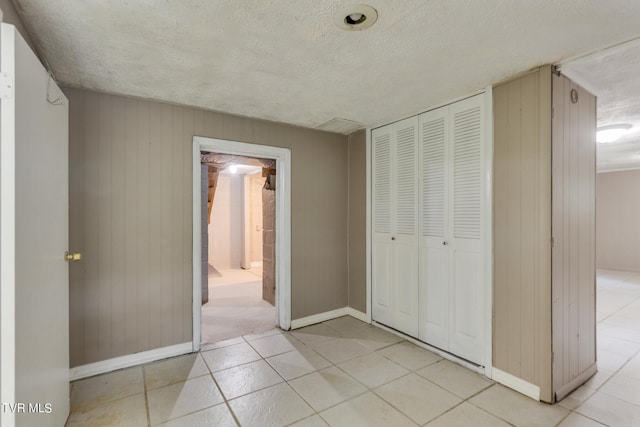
(518, 409)
(375, 338)
(466, 415)
(610, 411)
(228, 357)
(458, 380)
(91, 392)
(340, 350)
(273, 406)
(260, 335)
(417, 398)
(623, 387)
(610, 361)
(174, 370)
(128, 412)
(598, 379)
(345, 324)
(326, 388)
(632, 368)
(373, 369)
(577, 420)
(273, 345)
(220, 344)
(312, 421)
(247, 378)
(218, 416)
(315, 333)
(409, 355)
(297, 363)
(617, 345)
(180, 399)
(577, 397)
(367, 410)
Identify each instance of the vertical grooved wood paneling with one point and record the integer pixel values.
(521, 229)
(357, 221)
(118, 308)
(131, 206)
(573, 258)
(105, 237)
(143, 238)
(131, 216)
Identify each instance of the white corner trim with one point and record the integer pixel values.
(328, 315)
(515, 383)
(369, 183)
(127, 361)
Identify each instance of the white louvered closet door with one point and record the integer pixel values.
(395, 224)
(405, 226)
(434, 253)
(467, 195)
(382, 298)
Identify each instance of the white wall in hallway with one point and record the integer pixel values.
(226, 223)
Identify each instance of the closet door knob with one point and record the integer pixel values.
(393, 238)
(445, 243)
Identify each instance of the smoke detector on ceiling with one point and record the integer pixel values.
(355, 17)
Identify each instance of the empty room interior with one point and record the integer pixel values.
(320, 213)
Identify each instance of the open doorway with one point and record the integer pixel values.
(238, 289)
(233, 283)
(613, 75)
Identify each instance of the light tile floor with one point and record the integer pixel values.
(346, 373)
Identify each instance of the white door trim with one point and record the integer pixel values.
(369, 227)
(282, 157)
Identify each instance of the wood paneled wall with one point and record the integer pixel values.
(617, 225)
(573, 262)
(522, 229)
(131, 214)
(358, 221)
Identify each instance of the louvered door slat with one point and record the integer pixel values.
(433, 178)
(405, 180)
(382, 182)
(467, 174)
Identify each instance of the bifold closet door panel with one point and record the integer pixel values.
(466, 223)
(382, 298)
(434, 253)
(405, 225)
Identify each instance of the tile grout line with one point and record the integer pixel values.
(146, 398)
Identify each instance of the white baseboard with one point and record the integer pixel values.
(357, 314)
(328, 315)
(515, 383)
(127, 361)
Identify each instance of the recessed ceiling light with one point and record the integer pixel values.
(233, 168)
(606, 134)
(355, 17)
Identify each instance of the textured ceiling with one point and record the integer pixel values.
(613, 75)
(286, 61)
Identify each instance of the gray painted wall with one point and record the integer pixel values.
(131, 214)
(617, 225)
(358, 220)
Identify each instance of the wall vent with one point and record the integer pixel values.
(343, 126)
